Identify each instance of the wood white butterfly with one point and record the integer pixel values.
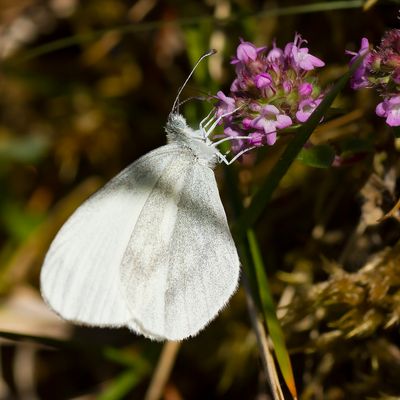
(152, 249)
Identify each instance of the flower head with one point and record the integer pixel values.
(380, 69)
(272, 89)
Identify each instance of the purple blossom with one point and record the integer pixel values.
(256, 139)
(247, 123)
(271, 118)
(269, 121)
(235, 86)
(266, 128)
(305, 89)
(275, 54)
(306, 108)
(390, 109)
(226, 104)
(271, 138)
(231, 132)
(246, 52)
(236, 144)
(282, 120)
(287, 86)
(264, 124)
(359, 78)
(300, 57)
(263, 80)
(255, 107)
(363, 49)
(270, 110)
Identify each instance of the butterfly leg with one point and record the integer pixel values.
(207, 120)
(223, 159)
(231, 138)
(218, 120)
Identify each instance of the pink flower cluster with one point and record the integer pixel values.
(272, 90)
(380, 69)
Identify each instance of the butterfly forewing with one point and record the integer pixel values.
(80, 278)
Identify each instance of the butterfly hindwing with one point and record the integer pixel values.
(181, 265)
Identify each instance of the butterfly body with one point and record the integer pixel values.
(180, 133)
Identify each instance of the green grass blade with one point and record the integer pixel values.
(254, 270)
(269, 312)
(121, 385)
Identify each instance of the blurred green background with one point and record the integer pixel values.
(85, 89)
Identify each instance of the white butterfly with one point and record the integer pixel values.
(152, 249)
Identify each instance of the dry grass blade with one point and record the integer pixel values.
(393, 213)
(265, 352)
(163, 370)
(369, 4)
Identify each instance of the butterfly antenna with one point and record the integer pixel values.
(175, 107)
(201, 98)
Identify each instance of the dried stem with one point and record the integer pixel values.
(163, 370)
(262, 340)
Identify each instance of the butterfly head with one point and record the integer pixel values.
(178, 132)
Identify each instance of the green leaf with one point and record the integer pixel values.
(320, 156)
(269, 312)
